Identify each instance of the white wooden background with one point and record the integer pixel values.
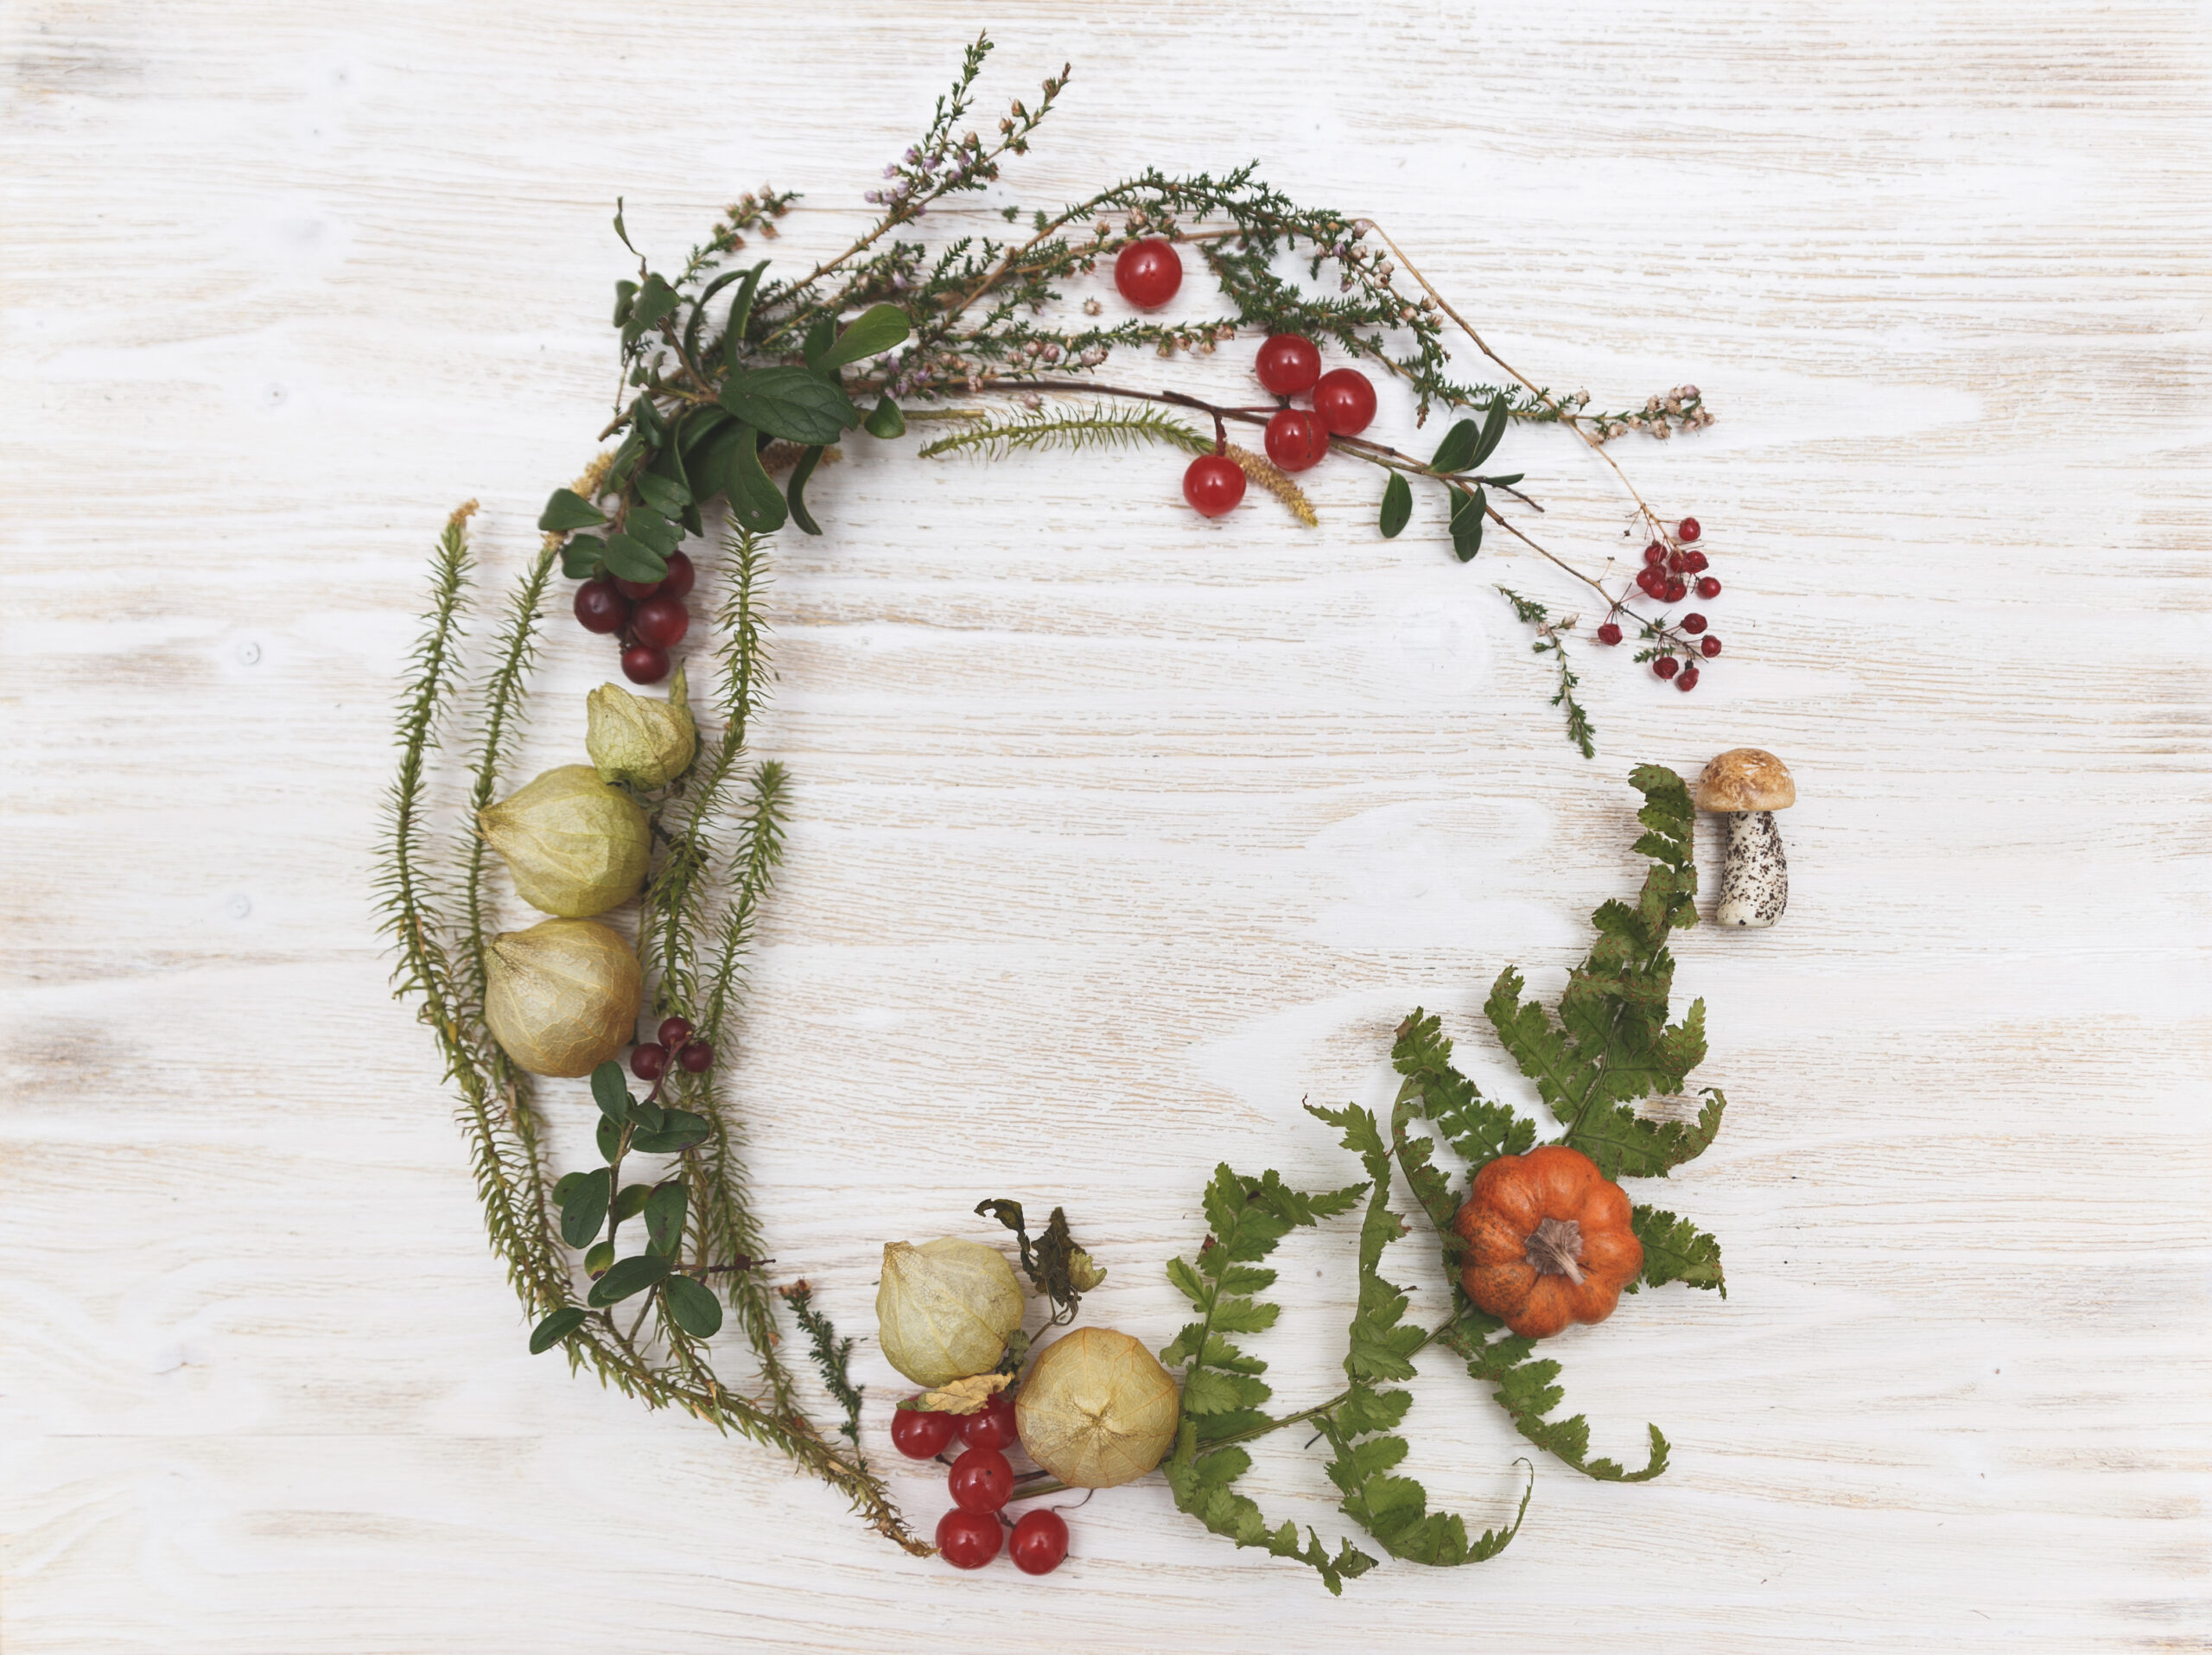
(1118, 833)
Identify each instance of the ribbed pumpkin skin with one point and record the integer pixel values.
(1511, 1196)
(1096, 1410)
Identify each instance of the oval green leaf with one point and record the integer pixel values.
(632, 559)
(795, 490)
(755, 500)
(680, 1128)
(1397, 505)
(627, 1276)
(631, 1201)
(875, 330)
(610, 1092)
(610, 1139)
(792, 403)
(693, 1307)
(887, 421)
(586, 1208)
(664, 1209)
(568, 510)
(1457, 451)
(555, 1327)
(740, 317)
(1493, 430)
(581, 555)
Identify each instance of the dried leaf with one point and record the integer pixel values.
(965, 1395)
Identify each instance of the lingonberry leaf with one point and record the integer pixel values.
(626, 1276)
(875, 330)
(632, 559)
(611, 1092)
(1457, 451)
(664, 1209)
(1468, 512)
(556, 1327)
(679, 1130)
(1493, 432)
(1397, 506)
(692, 1306)
(581, 555)
(630, 1202)
(569, 510)
(585, 1209)
(886, 420)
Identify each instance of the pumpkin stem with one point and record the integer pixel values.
(1556, 1249)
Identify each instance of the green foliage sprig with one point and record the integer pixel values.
(722, 363)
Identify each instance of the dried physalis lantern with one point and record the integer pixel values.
(637, 739)
(1096, 1410)
(945, 1310)
(576, 846)
(562, 997)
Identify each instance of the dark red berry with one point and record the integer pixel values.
(1708, 646)
(600, 609)
(1708, 588)
(1688, 681)
(969, 1539)
(1288, 363)
(1296, 440)
(637, 591)
(922, 1433)
(1693, 624)
(645, 664)
(993, 1427)
(662, 620)
(981, 1480)
(682, 576)
(1149, 273)
(1608, 633)
(1696, 562)
(697, 1058)
(1345, 401)
(1679, 561)
(1677, 589)
(1654, 555)
(1666, 666)
(649, 1062)
(1687, 529)
(1039, 1542)
(673, 1031)
(1653, 580)
(1213, 485)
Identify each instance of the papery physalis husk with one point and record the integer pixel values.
(965, 1395)
(576, 846)
(562, 997)
(1096, 1410)
(944, 1309)
(1084, 1272)
(636, 739)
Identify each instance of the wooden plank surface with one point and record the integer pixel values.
(1118, 834)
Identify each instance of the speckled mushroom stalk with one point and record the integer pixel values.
(1748, 786)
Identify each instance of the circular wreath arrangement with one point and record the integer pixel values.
(719, 396)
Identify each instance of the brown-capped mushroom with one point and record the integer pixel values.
(1748, 786)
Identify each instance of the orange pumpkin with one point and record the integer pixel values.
(1549, 1241)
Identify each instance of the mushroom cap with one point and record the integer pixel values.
(1746, 778)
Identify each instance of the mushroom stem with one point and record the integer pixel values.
(1755, 880)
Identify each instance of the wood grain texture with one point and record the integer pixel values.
(1117, 833)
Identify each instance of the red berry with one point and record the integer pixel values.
(1693, 624)
(1676, 591)
(1687, 529)
(1345, 401)
(1288, 363)
(645, 664)
(1608, 633)
(993, 1427)
(981, 1480)
(1695, 562)
(662, 620)
(1296, 440)
(1679, 561)
(1149, 273)
(1688, 681)
(1654, 555)
(599, 608)
(969, 1539)
(1666, 666)
(1708, 646)
(1039, 1542)
(922, 1433)
(1213, 485)
(682, 576)
(1653, 580)
(1708, 588)
(695, 1058)
(649, 1062)
(673, 1031)
(639, 591)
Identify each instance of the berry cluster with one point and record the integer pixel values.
(648, 616)
(1289, 364)
(649, 1059)
(981, 1482)
(1672, 570)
